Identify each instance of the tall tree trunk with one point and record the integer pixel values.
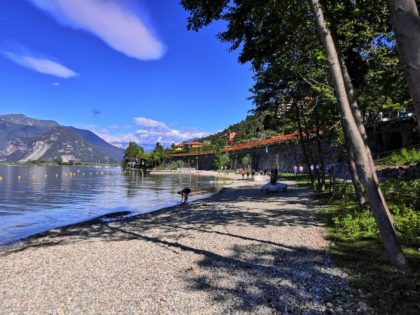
(405, 22)
(302, 142)
(321, 170)
(367, 177)
(312, 162)
(353, 173)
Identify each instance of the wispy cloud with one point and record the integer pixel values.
(150, 132)
(41, 65)
(147, 122)
(113, 21)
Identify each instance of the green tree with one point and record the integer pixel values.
(158, 154)
(246, 160)
(133, 151)
(296, 48)
(222, 160)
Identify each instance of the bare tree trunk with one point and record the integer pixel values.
(321, 170)
(367, 177)
(304, 151)
(353, 173)
(405, 22)
(312, 162)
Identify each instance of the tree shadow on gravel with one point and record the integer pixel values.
(256, 275)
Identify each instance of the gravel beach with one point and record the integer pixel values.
(240, 251)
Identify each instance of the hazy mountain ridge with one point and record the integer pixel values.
(24, 139)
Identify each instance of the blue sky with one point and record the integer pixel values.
(125, 69)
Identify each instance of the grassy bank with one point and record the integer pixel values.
(356, 246)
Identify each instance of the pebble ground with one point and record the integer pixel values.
(241, 251)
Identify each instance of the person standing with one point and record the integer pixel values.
(274, 176)
(295, 170)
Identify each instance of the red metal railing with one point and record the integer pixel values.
(242, 146)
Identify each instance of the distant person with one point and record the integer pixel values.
(329, 169)
(273, 176)
(247, 173)
(301, 169)
(312, 167)
(184, 194)
(253, 173)
(242, 172)
(295, 170)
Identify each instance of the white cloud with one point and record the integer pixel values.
(41, 65)
(56, 83)
(111, 21)
(146, 122)
(152, 131)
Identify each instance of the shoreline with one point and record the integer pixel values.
(117, 216)
(263, 253)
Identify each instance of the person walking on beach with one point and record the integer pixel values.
(184, 194)
(242, 172)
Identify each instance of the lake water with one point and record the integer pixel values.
(34, 199)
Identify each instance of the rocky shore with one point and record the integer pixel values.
(241, 250)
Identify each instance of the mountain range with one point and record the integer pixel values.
(24, 139)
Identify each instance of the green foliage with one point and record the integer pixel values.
(402, 192)
(178, 164)
(133, 151)
(158, 154)
(207, 147)
(222, 160)
(356, 248)
(404, 203)
(176, 151)
(246, 160)
(356, 224)
(404, 157)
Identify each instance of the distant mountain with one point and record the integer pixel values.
(23, 139)
(20, 126)
(113, 152)
(21, 119)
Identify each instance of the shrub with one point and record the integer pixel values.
(178, 164)
(404, 157)
(356, 224)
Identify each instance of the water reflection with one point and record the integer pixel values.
(35, 199)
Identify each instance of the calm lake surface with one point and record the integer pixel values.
(34, 199)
